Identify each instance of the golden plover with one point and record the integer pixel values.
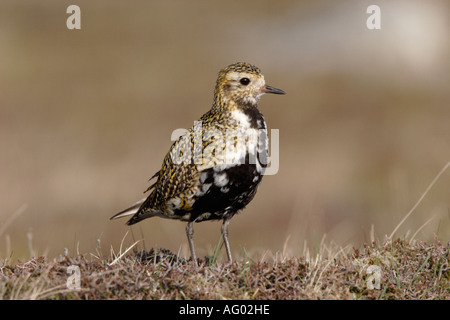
(213, 171)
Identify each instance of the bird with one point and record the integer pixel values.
(213, 171)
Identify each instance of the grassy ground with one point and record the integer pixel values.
(397, 269)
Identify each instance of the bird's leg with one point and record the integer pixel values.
(190, 236)
(225, 224)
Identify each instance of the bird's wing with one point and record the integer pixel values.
(177, 175)
(187, 159)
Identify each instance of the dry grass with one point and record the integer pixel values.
(408, 270)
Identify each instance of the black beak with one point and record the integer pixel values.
(269, 89)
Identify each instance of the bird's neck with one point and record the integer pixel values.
(230, 111)
(224, 104)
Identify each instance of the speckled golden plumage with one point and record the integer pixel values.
(205, 187)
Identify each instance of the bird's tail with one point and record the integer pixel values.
(137, 212)
(129, 211)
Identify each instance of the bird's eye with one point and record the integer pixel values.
(244, 81)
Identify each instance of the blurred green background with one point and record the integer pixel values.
(86, 118)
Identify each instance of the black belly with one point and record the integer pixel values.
(224, 200)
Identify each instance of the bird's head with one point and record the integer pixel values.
(242, 83)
